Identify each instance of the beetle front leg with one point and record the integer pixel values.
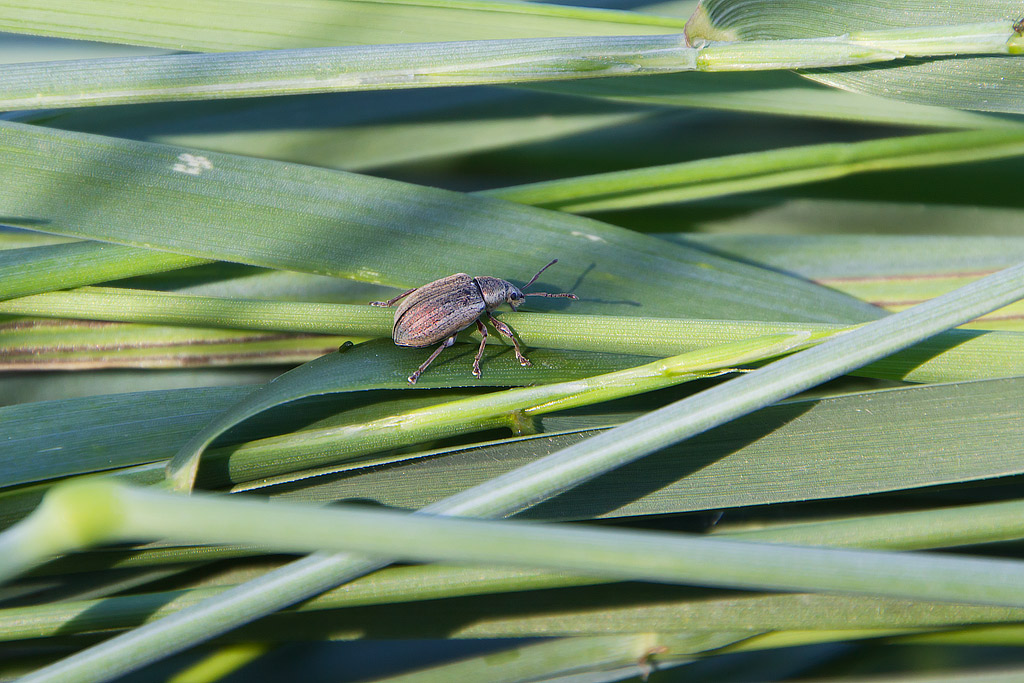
(392, 302)
(504, 329)
(437, 352)
(480, 353)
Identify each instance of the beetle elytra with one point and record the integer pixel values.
(439, 310)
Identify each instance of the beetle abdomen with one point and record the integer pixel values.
(437, 310)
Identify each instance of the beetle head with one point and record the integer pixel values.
(515, 296)
(497, 292)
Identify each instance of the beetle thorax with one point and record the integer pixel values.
(497, 291)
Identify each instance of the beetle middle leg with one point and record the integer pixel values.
(504, 329)
(480, 352)
(437, 352)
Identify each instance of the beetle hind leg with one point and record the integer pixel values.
(437, 352)
(504, 329)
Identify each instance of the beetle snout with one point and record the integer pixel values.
(515, 297)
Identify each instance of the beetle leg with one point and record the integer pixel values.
(504, 329)
(437, 352)
(392, 302)
(480, 353)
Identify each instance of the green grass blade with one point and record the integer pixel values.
(755, 171)
(224, 25)
(62, 266)
(375, 129)
(329, 222)
(914, 530)
(987, 83)
(774, 455)
(96, 433)
(890, 271)
(785, 446)
(835, 258)
(224, 661)
(774, 93)
(958, 354)
(78, 514)
(624, 608)
(594, 660)
(1005, 635)
(130, 80)
(34, 345)
(880, 268)
(353, 132)
(884, 267)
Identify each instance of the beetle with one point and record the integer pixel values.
(439, 310)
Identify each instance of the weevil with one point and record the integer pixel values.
(439, 310)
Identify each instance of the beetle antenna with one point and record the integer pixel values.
(539, 272)
(550, 296)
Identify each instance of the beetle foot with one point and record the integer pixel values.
(379, 303)
(525, 362)
(476, 371)
(413, 377)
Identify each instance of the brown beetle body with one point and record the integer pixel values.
(439, 310)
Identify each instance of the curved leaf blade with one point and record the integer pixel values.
(868, 443)
(515, 409)
(83, 435)
(291, 217)
(977, 83)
